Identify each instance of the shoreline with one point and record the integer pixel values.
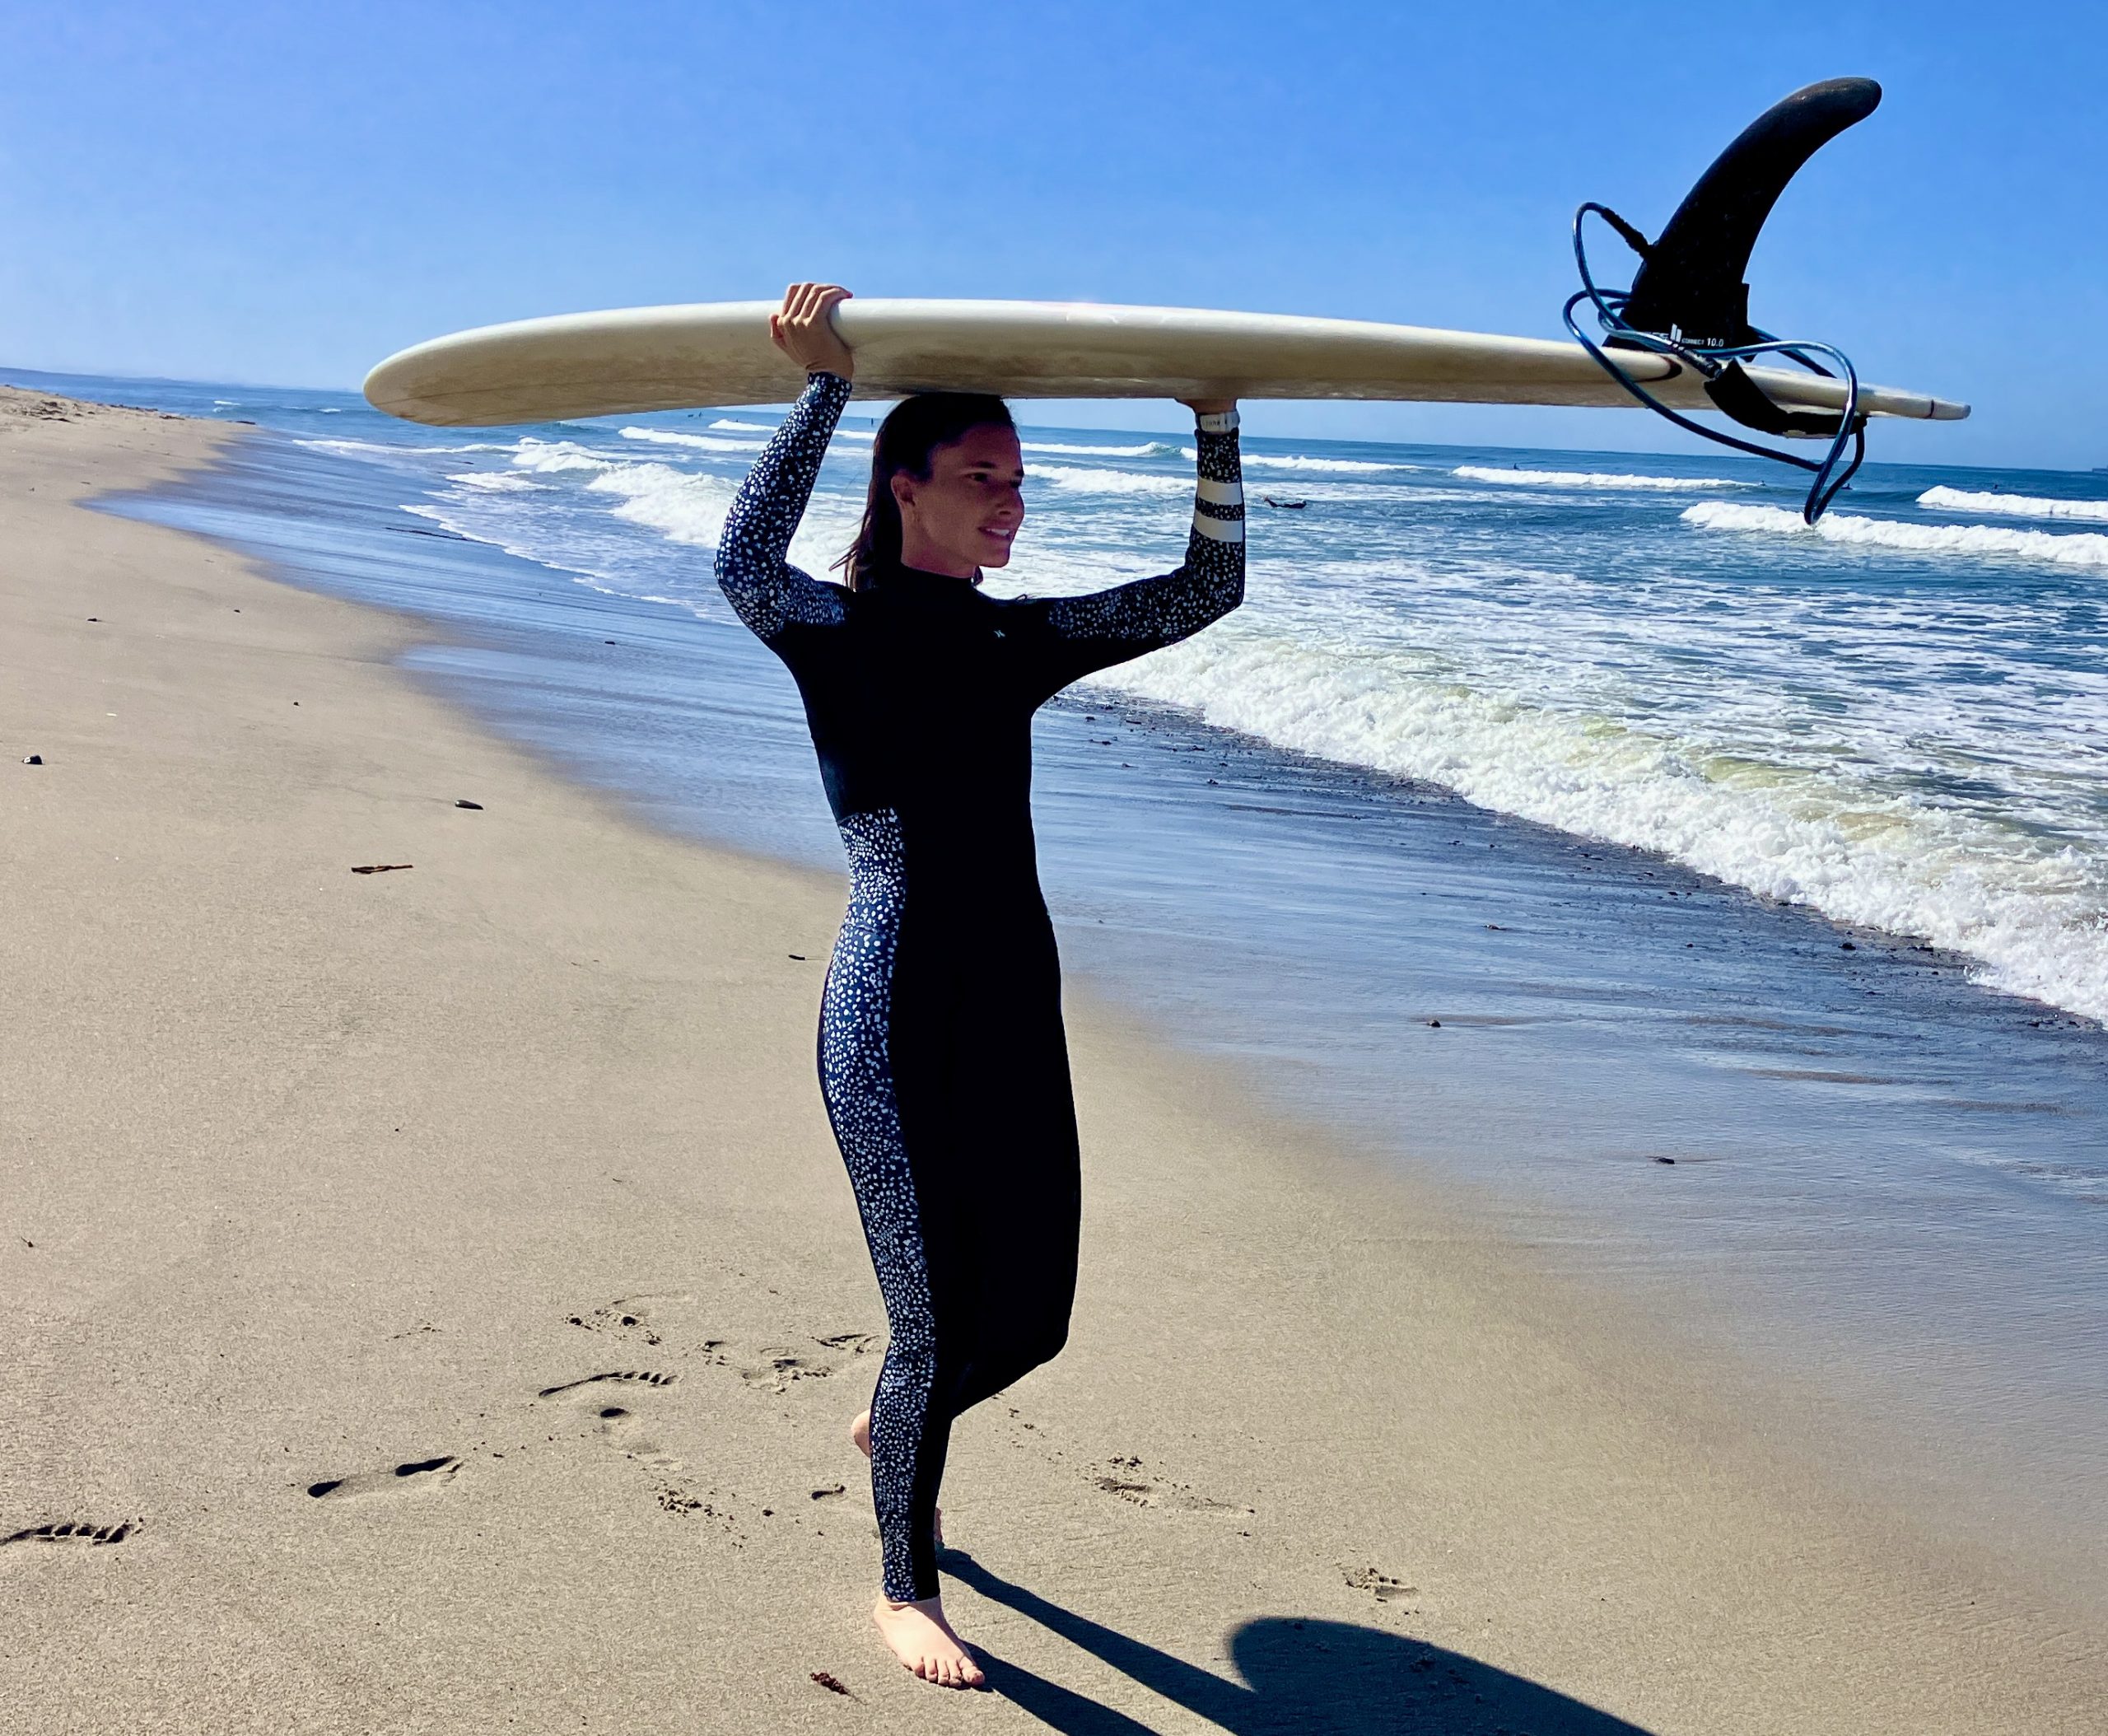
(257, 1283)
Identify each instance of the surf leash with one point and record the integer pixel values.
(1688, 302)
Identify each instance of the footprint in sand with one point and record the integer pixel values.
(73, 1532)
(781, 1364)
(1382, 1586)
(631, 1377)
(628, 1316)
(1126, 1479)
(614, 1421)
(411, 1475)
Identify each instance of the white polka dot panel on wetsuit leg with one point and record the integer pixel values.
(857, 1079)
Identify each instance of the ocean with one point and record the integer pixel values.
(1721, 904)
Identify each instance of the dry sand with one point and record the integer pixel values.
(447, 1276)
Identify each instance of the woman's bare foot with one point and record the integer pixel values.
(923, 1640)
(860, 1432)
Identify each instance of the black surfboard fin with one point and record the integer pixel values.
(1736, 395)
(1691, 282)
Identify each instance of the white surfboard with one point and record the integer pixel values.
(707, 354)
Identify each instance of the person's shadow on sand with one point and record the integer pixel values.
(1305, 1676)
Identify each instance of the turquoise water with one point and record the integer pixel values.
(1540, 816)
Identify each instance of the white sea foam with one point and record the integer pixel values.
(2084, 549)
(1912, 797)
(1073, 480)
(1592, 478)
(2017, 506)
(396, 449)
(439, 513)
(690, 509)
(2035, 915)
(555, 456)
(733, 426)
(1293, 461)
(1151, 449)
(497, 481)
(703, 442)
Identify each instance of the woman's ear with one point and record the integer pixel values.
(903, 490)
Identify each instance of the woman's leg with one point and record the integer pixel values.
(908, 1432)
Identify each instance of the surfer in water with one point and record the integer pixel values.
(942, 1056)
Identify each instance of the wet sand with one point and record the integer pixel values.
(437, 1292)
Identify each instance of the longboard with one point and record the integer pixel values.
(705, 354)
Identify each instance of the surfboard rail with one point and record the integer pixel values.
(699, 355)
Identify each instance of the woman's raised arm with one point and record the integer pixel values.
(753, 569)
(1107, 627)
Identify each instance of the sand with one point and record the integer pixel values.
(446, 1279)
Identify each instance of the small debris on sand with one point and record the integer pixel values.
(477, 806)
(384, 868)
(33, 759)
(832, 1683)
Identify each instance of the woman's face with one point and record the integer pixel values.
(965, 514)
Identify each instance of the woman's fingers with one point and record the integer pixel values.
(804, 329)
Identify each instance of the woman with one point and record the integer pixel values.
(942, 1056)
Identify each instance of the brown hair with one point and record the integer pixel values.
(913, 430)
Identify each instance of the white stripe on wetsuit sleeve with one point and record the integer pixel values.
(1207, 493)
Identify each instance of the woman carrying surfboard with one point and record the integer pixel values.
(942, 1056)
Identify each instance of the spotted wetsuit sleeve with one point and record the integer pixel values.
(1080, 634)
(753, 571)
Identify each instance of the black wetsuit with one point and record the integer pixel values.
(941, 1051)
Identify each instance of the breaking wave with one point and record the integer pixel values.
(2033, 912)
(497, 481)
(396, 449)
(2017, 506)
(1078, 481)
(1292, 461)
(701, 442)
(1152, 449)
(1592, 478)
(2083, 549)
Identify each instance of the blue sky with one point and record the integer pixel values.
(285, 193)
